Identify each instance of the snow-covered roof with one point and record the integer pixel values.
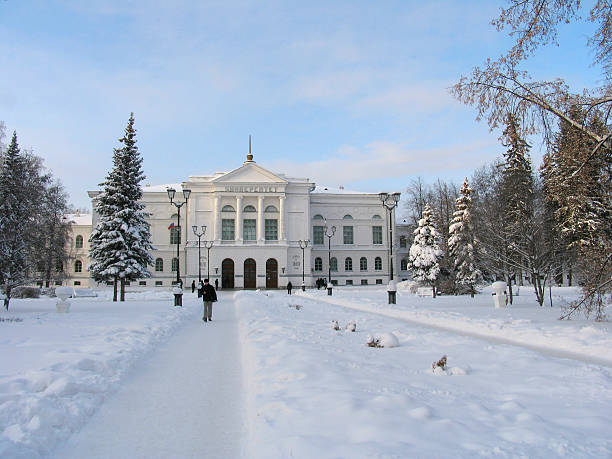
(162, 188)
(336, 190)
(79, 219)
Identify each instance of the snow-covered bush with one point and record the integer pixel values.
(297, 307)
(351, 326)
(334, 325)
(439, 364)
(382, 340)
(26, 292)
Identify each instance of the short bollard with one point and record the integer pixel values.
(303, 287)
(500, 297)
(329, 291)
(392, 291)
(178, 296)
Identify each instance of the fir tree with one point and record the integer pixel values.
(121, 241)
(425, 253)
(14, 216)
(461, 242)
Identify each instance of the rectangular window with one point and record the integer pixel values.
(317, 235)
(77, 282)
(227, 229)
(403, 242)
(271, 229)
(158, 283)
(334, 282)
(364, 282)
(249, 229)
(378, 281)
(348, 234)
(377, 235)
(349, 282)
(175, 235)
(142, 283)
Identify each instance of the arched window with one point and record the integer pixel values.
(271, 209)
(404, 264)
(333, 264)
(347, 217)
(249, 208)
(348, 264)
(159, 264)
(175, 264)
(378, 264)
(318, 217)
(363, 264)
(318, 264)
(376, 217)
(78, 266)
(78, 242)
(228, 208)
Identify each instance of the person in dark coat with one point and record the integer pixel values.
(209, 296)
(289, 287)
(216, 284)
(192, 286)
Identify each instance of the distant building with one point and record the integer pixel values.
(255, 219)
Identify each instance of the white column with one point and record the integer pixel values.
(260, 219)
(281, 219)
(217, 218)
(239, 218)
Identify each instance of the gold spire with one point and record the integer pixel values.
(249, 156)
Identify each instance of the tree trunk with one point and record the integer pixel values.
(115, 289)
(122, 289)
(509, 288)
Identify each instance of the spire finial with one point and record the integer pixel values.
(249, 156)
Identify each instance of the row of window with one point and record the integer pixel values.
(348, 264)
(249, 208)
(346, 217)
(249, 229)
(318, 235)
(159, 265)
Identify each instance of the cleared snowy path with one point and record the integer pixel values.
(185, 400)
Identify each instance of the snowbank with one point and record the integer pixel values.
(58, 368)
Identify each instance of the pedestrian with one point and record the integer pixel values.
(192, 286)
(216, 284)
(200, 287)
(209, 296)
(289, 287)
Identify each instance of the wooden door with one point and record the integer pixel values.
(250, 273)
(271, 273)
(227, 273)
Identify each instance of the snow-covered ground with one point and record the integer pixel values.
(518, 381)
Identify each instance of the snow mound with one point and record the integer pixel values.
(382, 340)
(454, 371)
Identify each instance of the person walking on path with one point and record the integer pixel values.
(192, 286)
(289, 287)
(200, 287)
(209, 296)
(216, 284)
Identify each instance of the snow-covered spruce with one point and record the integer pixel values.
(121, 241)
(425, 253)
(462, 243)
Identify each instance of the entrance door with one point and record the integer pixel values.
(271, 273)
(227, 273)
(250, 273)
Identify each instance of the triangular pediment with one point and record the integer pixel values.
(249, 173)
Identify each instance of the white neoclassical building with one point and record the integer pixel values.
(255, 220)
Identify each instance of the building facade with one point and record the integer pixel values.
(255, 220)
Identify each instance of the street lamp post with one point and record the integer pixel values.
(389, 202)
(303, 245)
(178, 296)
(199, 235)
(329, 232)
(208, 245)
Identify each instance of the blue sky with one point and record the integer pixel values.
(351, 93)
